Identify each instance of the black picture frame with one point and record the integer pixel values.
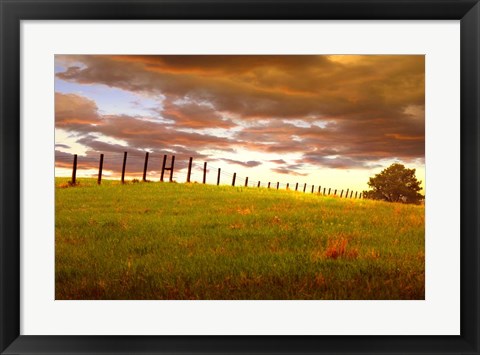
(14, 11)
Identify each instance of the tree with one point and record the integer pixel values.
(395, 184)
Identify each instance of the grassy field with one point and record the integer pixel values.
(193, 241)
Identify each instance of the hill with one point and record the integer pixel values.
(192, 241)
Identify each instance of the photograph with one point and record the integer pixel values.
(239, 177)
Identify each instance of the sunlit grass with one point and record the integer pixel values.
(193, 241)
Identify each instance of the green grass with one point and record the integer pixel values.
(193, 241)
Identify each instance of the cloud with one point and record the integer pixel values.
(74, 111)
(139, 134)
(355, 111)
(274, 86)
(278, 161)
(59, 145)
(343, 144)
(194, 115)
(288, 172)
(248, 164)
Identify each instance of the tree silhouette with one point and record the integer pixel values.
(395, 184)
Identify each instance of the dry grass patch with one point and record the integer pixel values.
(338, 248)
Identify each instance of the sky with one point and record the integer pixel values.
(326, 120)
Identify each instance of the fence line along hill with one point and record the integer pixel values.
(167, 171)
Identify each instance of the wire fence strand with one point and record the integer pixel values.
(139, 165)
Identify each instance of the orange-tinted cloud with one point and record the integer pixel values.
(275, 86)
(354, 110)
(194, 115)
(137, 132)
(248, 164)
(73, 110)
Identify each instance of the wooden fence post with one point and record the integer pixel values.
(269, 184)
(346, 194)
(296, 186)
(304, 187)
(189, 171)
(319, 189)
(324, 190)
(258, 185)
(329, 189)
(218, 176)
(171, 168)
(204, 172)
(356, 194)
(313, 188)
(100, 169)
(74, 170)
(278, 184)
(360, 196)
(351, 193)
(335, 193)
(163, 167)
(234, 177)
(341, 194)
(246, 181)
(288, 184)
(145, 165)
(124, 166)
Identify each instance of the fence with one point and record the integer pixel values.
(233, 179)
